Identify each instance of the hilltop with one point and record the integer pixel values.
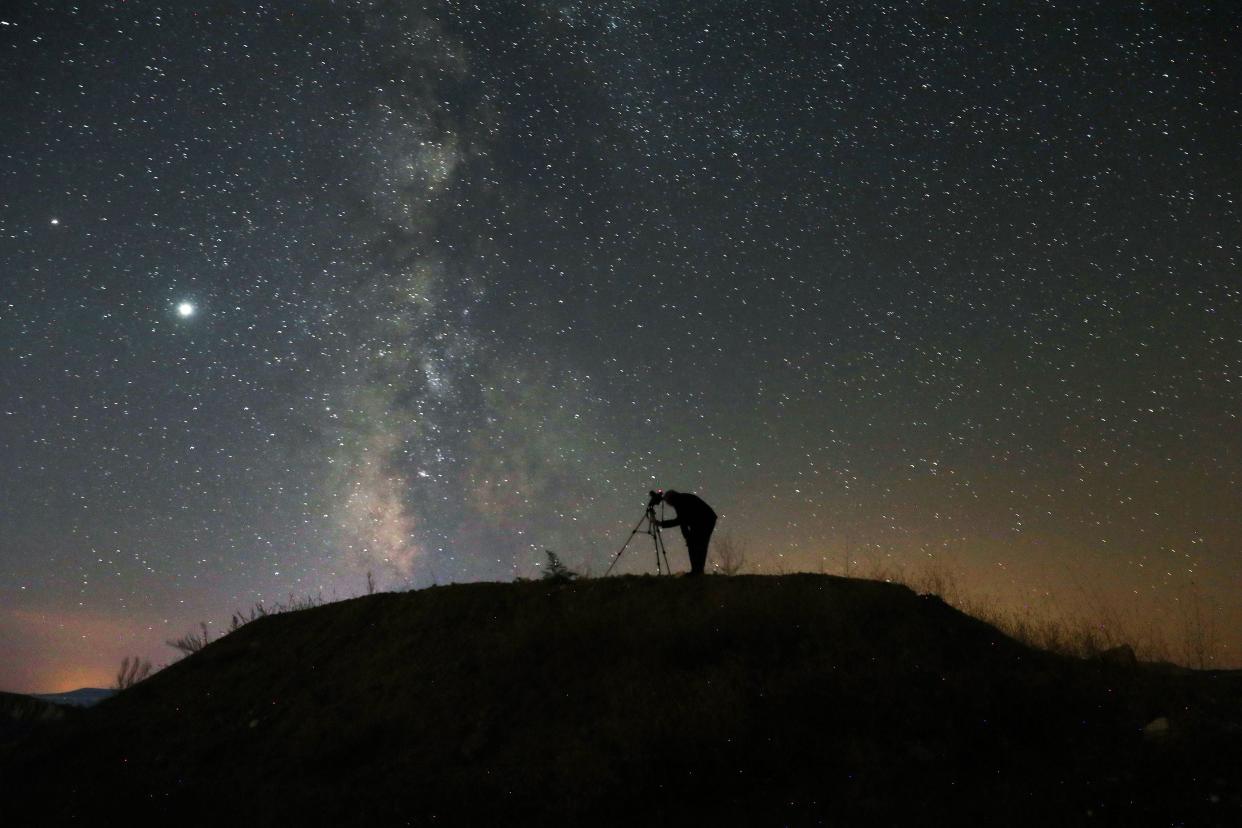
(799, 699)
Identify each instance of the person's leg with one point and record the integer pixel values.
(704, 536)
(696, 545)
(687, 534)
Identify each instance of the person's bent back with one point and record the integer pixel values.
(697, 520)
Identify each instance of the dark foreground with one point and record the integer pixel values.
(794, 700)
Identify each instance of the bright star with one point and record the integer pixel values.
(185, 309)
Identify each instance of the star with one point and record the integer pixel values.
(466, 306)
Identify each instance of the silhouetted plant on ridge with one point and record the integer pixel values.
(730, 554)
(191, 643)
(131, 672)
(557, 572)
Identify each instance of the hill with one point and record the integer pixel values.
(798, 699)
(20, 715)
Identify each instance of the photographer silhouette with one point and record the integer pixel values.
(696, 519)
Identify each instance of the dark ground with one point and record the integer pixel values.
(793, 700)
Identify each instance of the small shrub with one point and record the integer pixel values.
(191, 643)
(131, 672)
(730, 555)
(557, 572)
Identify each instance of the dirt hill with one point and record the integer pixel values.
(786, 700)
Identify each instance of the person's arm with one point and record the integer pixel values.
(665, 524)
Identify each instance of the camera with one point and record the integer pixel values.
(656, 496)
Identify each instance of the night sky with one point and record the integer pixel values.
(292, 292)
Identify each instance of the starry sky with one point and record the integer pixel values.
(296, 291)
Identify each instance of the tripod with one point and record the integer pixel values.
(653, 529)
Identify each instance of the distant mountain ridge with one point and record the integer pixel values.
(82, 697)
(749, 700)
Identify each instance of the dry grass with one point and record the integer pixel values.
(1196, 642)
(192, 642)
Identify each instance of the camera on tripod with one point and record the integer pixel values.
(654, 497)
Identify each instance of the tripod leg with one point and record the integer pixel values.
(617, 557)
(663, 550)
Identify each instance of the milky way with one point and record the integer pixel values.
(298, 292)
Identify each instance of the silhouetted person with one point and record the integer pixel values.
(697, 520)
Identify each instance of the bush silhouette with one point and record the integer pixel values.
(132, 672)
(557, 571)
